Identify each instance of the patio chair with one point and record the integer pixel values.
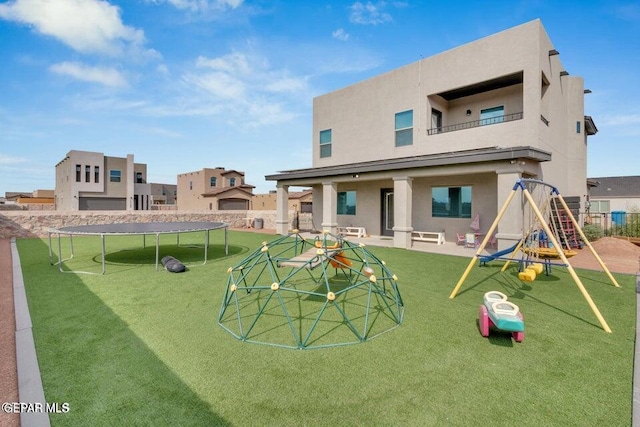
(461, 239)
(470, 240)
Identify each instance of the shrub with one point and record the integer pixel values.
(592, 232)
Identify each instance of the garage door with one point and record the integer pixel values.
(233, 205)
(102, 204)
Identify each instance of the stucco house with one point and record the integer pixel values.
(87, 180)
(214, 189)
(432, 144)
(614, 193)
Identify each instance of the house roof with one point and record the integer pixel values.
(429, 160)
(616, 186)
(232, 171)
(217, 192)
(299, 194)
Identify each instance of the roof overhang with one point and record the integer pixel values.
(484, 86)
(590, 126)
(430, 160)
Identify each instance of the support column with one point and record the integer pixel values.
(510, 226)
(402, 209)
(130, 183)
(282, 209)
(330, 207)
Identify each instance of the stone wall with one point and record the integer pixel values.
(37, 223)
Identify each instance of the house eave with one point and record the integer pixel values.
(442, 159)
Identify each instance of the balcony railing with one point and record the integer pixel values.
(475, 123)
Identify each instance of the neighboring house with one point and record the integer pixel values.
(299, 201)
(430, 145)
(614, 193)
(163, 194)
(214, 189)
(88, 180)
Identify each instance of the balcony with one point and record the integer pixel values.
(475, 123)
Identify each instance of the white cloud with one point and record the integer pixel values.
(201, 5)
(6, 159)
(620, 120)
(246, 89)
(369, 13)
(340, 34)
(105, 76)
(87, 26)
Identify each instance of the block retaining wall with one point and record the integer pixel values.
(21, 224)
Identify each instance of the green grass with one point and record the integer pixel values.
(140, 347)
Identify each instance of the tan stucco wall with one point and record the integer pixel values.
(35, 224)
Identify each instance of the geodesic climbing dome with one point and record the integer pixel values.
(305, 293)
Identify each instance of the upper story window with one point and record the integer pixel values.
(87, 174)
(115, 175)
(190, 185)
(138, 177)
(325, 143)
(599, 206)
(346, 203)
(96, 174)
(78, 172)
(232, 182)
(213, 181)
(404, 128)
(492, 115)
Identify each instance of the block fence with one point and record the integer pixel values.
(33, 223)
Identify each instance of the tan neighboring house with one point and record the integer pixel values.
(428, 146)
(87, 180)
(163, 194)
(299, 201)
(214, 189)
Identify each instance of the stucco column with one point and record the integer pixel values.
(131, 179)
(402, 208)
(282, 209)
(330, 207)
(510, 227)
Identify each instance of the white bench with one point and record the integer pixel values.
(352, 231)
(428, 236)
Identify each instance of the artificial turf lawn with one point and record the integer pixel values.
(140, 347)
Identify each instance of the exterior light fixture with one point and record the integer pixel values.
(553, 52)
(468, 112)
(587, 91)
(564, 73)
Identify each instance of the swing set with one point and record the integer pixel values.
(550, 235)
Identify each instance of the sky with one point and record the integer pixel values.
(190, 84)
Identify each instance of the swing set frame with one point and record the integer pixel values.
(521, 185)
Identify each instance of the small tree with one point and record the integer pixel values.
(592, 232)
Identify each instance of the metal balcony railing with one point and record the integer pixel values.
(475, 123)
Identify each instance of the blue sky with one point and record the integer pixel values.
(189, 84)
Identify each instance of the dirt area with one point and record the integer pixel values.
(620, 256)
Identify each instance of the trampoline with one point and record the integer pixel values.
(128, 229)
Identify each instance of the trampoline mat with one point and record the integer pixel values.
(142, 228)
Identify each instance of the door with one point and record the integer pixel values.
(386, 227)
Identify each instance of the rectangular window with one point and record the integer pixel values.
(325, 143)
(78, 172)
(404, 128)
(451, 202)
(213, 181)
(232, 182)
(578, 127)
(87, 174)
(138, 177)
(346, 203)
(96, 174)
(115, 175)
(599, 206)
(491, 116)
